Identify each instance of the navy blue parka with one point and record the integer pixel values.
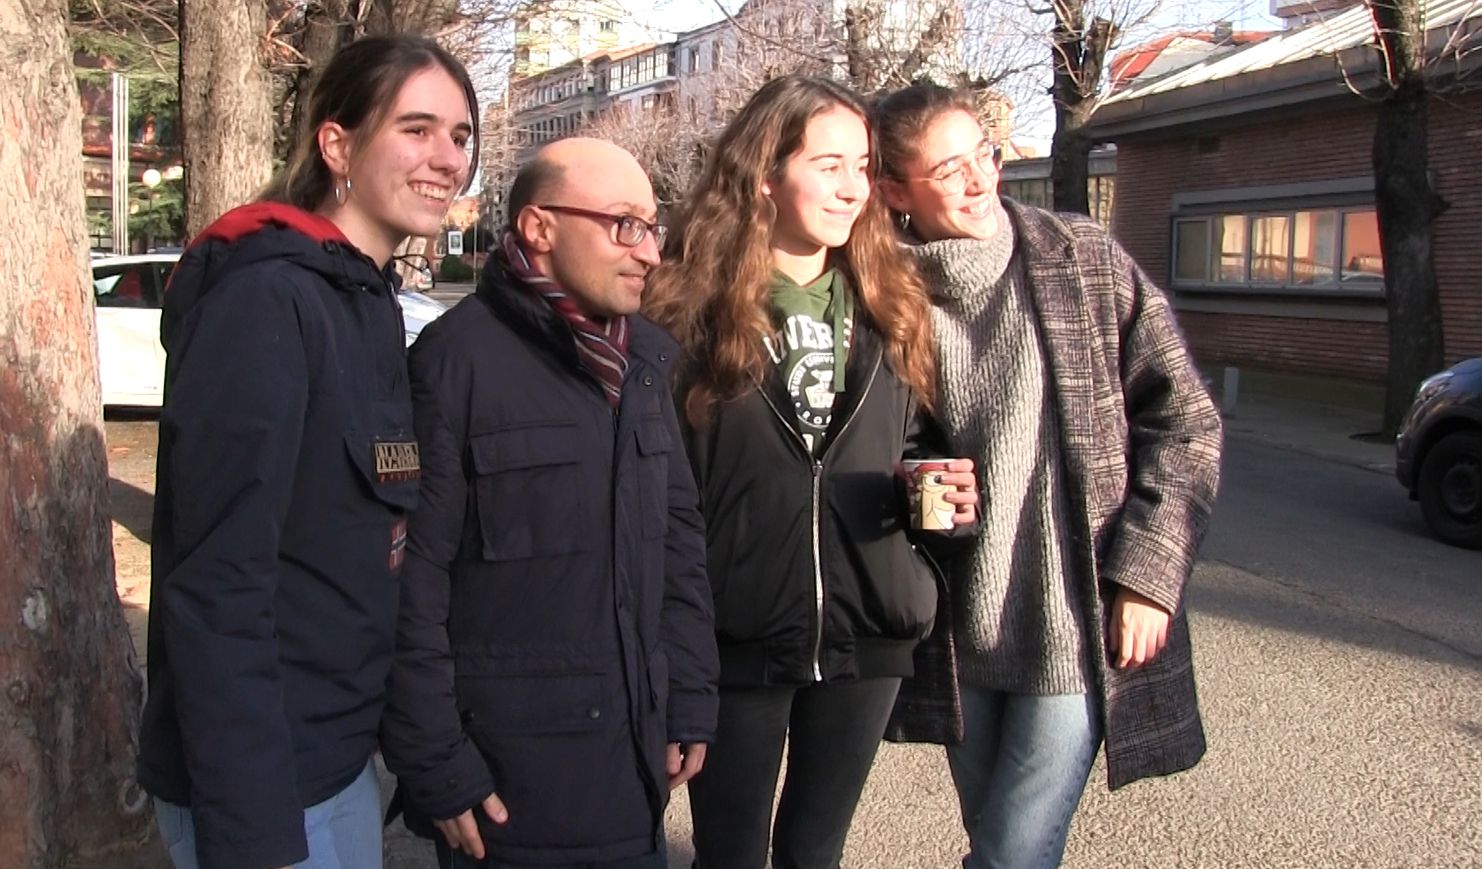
(287, 463)
(556, 629)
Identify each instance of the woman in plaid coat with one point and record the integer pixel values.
(1063, 375)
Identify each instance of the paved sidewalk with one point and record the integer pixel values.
(1328, 419)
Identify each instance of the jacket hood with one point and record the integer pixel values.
(258, 232)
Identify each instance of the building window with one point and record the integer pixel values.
(1314, 247)
(694, 66)
(1270, 249)
(1229, 234)
(1361, 259)
(608, 26)
(1190, 251)
(1319, 250)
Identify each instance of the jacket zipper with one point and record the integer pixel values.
(818, 569)
(817, 469)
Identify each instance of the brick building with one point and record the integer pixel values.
(1245, 186)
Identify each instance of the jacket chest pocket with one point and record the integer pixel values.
(529, 491)
(654, 449)
(390, 464)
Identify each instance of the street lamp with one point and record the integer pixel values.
(151, 179)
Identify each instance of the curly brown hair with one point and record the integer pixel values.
(713, 290)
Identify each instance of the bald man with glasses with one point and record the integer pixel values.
(556, 667)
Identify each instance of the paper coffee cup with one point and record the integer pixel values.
(930, 510)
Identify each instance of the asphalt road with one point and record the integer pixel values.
(1339, 651)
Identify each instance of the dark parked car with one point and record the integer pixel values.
(1438, 455)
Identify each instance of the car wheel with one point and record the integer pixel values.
(1451, 489)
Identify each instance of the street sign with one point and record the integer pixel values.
(455, 242)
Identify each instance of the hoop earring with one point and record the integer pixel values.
(347, 185)
(339, 194)
(905, 222)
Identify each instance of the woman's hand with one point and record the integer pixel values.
(1138, 629)
(961, 477)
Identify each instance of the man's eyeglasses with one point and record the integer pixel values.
(626, 229)
(953, 177)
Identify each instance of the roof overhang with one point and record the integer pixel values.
(1328, 79)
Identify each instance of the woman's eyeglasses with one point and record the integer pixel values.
(953, 177)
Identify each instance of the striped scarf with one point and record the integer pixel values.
(601, 344)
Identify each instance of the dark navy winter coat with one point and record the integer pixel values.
(556, 628)
(286, 464)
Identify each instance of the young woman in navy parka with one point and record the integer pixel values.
(286, 466)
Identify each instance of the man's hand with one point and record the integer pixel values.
(1138, 629)
(684, 762)
(959, 475)
(462, 832)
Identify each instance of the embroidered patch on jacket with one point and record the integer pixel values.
(398, 545)
(397, 462)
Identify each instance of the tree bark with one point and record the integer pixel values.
(328, 26)
(225, 106)
(427, 17)
(1079, 55)
(69, 688)
(1407, 207)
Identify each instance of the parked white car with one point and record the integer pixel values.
(128, 291)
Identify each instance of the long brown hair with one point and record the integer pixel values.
(712, 292)
(356, 90)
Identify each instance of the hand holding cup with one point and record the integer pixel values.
(943, 492)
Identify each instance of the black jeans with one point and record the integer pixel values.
(832, 731)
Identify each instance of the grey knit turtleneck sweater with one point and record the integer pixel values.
(1019, 624)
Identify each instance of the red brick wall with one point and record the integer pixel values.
(1318, 146)
(1332, 348)
(1456, 158)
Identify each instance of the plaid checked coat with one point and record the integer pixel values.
(1141, 450)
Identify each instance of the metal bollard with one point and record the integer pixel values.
(1230, 393)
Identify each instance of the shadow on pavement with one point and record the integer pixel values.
(1297, 610)
(131, 414)
(131, 507)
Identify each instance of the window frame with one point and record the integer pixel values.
(151, 277)
(1251, 212)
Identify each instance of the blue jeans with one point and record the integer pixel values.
(1020, 772)
(344, 831)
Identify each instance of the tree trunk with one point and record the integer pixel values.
(1079, 55)
(1407, 207)
(225, 106)
(427, 17)
(327, 28)
(1070, 163)
(69, 688)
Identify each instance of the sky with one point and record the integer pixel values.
(1033, 117)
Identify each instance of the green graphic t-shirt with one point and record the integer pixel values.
(811, 346)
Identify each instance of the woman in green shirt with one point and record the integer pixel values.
(807, 372)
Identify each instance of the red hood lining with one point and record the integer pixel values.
(247, 219)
